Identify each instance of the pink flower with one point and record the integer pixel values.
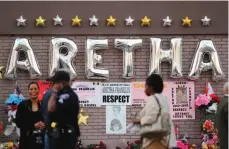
(211, 142)
(202, 99)
(181, 145)
(215, 137)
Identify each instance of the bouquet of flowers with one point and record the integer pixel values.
(182, 142)
(193, 146)
(210, 140)
(12, 102)
(209, 135)
(208, 100)
(134, 145)
(202, 101)
(101, 145)
(9, 145)
(207, 126)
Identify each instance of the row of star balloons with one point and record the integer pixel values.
(111, 21)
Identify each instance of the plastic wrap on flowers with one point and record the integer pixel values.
(15, 98)
(12, 102)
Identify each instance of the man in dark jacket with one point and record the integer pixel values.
(222, 119)
(44, 110)
(63, 106)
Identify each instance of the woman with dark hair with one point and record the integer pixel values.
(115, 125)
(156, 129)
(30, 120)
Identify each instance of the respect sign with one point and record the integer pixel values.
(116, 94)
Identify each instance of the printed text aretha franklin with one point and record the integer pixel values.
(116, 94)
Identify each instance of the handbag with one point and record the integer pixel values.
(160, 128)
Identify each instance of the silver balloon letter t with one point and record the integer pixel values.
(62, 52)
(30, 63)
(198, 64)
(174, 55)
(92, 59)
(128, 46)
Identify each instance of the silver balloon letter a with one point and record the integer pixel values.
(174, 55)
(30, 63)
(128, 46)
(62, 52)
(198, 64)
(92, 59)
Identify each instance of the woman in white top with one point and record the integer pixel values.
(148, 115)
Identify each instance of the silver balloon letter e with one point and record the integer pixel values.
(128, 46)
(92, 59)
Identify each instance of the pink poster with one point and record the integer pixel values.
(138, 94)
(182, 100)
(180, 95)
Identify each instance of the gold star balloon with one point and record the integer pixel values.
(186, 22)
(1, 71)
(82, 118)
(145, 21)
(76, 21)
(111, 21)
(40, 21)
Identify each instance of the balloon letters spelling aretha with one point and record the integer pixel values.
(30, 63)
(62, 52)
(174, 55)
(92, 59)
(199, 64)
(128, 46)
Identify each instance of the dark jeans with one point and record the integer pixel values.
(66, 141)
(46, 141)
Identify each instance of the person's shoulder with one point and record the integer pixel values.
(151, 100)
(73, 95)
(48, 92)
(24, 103)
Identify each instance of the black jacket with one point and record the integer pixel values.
(67, 110)
(25, 120)
(222, 122)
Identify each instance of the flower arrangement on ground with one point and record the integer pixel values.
(101, 145)
(9, 145)
(208, 102)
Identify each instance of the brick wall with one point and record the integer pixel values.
(113, 60)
